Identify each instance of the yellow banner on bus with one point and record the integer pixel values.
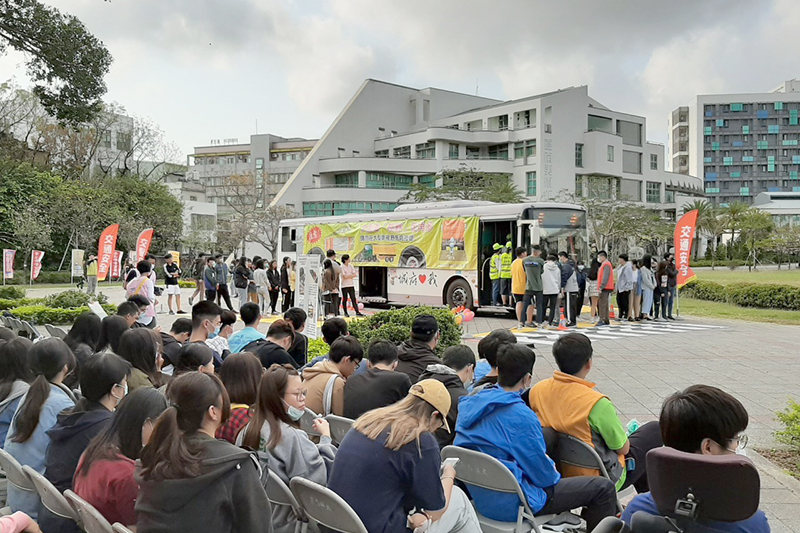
(446, 243)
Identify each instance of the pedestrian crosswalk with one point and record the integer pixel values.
(614, 332)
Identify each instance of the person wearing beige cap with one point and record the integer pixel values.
(388, 467)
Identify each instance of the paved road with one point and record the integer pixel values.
(637, 367)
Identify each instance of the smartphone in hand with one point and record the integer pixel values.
(451, 461)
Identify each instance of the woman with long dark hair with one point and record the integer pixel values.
(83, 337)
(195, 357)
(27, 440)
(285, 289)
(594, 291)
(15, 379)
(274, 278)
(111, 330)
(104, 476)
(103, 384)
(662, 289)
(189, 481)
(274, 429)
(141, 348)
(389, 463)
(330, 288)
(240, 373)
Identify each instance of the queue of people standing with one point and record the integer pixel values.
(543, 285)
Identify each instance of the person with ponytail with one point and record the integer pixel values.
(104, 476)
(15, 379)
(388, 467)
(111, 330)
(274, 429)
(27, 440)
(141, 347)
(189, 481)
(83, 337)
(240, 373)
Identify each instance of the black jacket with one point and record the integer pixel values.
(172, 349)
(270, 353)
(456, 388)
(415, 356)
(227, 496)
(299, 349)
(285, 278)
(240, 276)
(274, 277)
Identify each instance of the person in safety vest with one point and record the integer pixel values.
(495, 265)
(505, 273)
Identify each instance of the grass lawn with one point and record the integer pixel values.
(741, 275)
(702, 308)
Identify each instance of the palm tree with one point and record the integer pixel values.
(733, 215)
(705, 217)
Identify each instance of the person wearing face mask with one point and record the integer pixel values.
(325, 381)
(483, 425)
(456, 372)
(380, 385)
(707, 421)
(206, 319)
(104, 383)
(273, 349)
(274, 429)
(104, 477)
(219, 342)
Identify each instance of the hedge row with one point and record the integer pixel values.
(395, 325)
(746, 295)
(41, 314)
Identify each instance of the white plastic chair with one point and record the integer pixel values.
(326, 508)
(280, 495)
(52, 499)
(31, 330)
(16, 476)
(91, 519)
(484, 471)
(119, 528)
(339, 427)
(58, 333)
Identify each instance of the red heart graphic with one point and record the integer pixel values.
(422, 278)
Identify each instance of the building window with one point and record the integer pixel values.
(106, 141)
(530, 148)
(531, 179)
(452, 152)
(610, 153)
(653, 161)
(402, 152)
(519, 150)
(473, 152)
(602, 187)
(346, 180)
(123, 141)
(653, 192)
(502, 122)
(323, 209)
(631, 162)
(426, 150)
(498, 151)
(578, 185)
(259, 163)
(578, 155)
(388, 181)
(669, 197)
(428, 180)
(381, 153)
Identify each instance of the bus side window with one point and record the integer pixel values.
(287, 239)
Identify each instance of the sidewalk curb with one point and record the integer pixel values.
(768, 467)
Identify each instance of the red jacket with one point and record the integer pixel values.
(601, 273)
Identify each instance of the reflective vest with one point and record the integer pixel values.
(494, 272)
(505, 265)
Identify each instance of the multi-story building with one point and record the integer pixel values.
(739, 144)
(555, 144)
(784, 207)
(199, 214)
(266, 162)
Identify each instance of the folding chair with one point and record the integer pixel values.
(32, 331)
(91, 519)
(486, 472)
(339, 427)
(307, 422)
(573, 451)
(280, 495)
(53, 501)
(119, 528)
(58, 333)
(16, 476)
(688, 487)
(326, 508)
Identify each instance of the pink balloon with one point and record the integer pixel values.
(360, 306)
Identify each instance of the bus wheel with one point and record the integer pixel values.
(459, 294)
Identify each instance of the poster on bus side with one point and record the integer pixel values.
(439, 243)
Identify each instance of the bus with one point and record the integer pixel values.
(435, 253)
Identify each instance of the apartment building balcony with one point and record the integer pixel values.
(478, 137)
(339, 165)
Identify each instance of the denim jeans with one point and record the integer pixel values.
(670, 300)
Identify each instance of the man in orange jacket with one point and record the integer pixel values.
(605, 284)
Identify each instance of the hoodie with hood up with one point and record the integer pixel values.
(414, 357)
(455, 387)
(551, 278)
(500, 424)
(227, 496)
(9, 406)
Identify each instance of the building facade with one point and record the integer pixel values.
(739, 144)
(267, 161)
(561, 143)
(784, 207)
(199, 214)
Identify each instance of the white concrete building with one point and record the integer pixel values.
(199, 214)
(389, 136)
(740, 145)
(783, 206)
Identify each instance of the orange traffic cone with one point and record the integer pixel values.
(562, 324)
(611, 314)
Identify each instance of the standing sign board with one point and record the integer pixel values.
(76, 264)
(8, 264)
(307, 294)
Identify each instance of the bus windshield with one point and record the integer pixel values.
(559, 230)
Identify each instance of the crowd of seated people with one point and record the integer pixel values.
(188, 449)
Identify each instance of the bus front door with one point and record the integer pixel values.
(500, 233)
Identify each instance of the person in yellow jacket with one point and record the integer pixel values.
(494, 273)
(505, 273)
(91, 274)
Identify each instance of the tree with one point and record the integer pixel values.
(755, 226)
(705, 212)
(30, 231)
(66, 62)
(732, 215)
(267, 227)
(467, 183)
(715, 226)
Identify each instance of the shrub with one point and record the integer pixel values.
(41, 314)
(790, 418)
(395, 325)
(67, 299)
(11, 292)
(766, 296)
(186, 284)
(45, 276)
(705, 290)
(11, 304)
(317, 348)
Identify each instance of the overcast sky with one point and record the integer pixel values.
(209, 69)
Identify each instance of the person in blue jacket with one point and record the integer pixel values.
(497, 421)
